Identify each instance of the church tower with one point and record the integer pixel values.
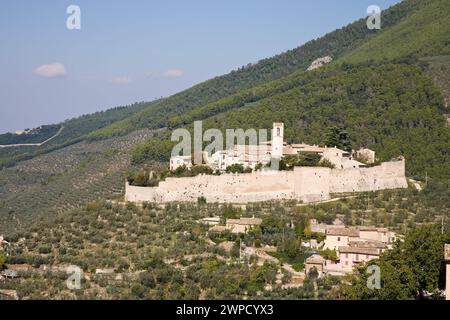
(277, 140)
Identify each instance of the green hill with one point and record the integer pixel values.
(336, 44)
(354, 41)
(379, 89)
(389, 92)
(424, 32)
(393, 108)
(75, 130)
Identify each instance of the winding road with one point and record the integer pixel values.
(32, 144)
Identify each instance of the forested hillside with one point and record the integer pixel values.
(388, 92)
(75, 130)
(422, 33)
(338, 44)
(335, 44)
(380, 90)
(393, 108)
(37, 135)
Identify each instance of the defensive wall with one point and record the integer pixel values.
(308, 184)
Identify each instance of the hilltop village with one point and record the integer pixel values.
(338, 171)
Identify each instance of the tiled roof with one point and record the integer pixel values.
(350, 232)
(315, 258)
(372, 228)
(218, 229)
(368, 251)
(367, 244)
(245, 221)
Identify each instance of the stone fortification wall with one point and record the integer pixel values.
(308, 184)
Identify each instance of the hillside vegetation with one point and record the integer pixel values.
(37, 135)
(163, 252)
(393, 108)
(75, 130)
(343, 43)
(424, 32)
(36, 190)
(390, 99)
(379, 88)
(335, 44)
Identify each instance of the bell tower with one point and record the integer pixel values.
(277, 140)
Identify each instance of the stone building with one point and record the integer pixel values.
(249, 156)
(307, 184)
(180, 161)
(353, 255)
(315, 261)
(242, 225)
(237, 226)
(340, 237)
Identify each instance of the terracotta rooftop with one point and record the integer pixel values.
(368, 251)
(315, 259)
(372, 228)
(218, 229)
(367, 244)
(307, 148)
(350, 232)
(245, 221)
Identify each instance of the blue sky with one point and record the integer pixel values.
(138, 50)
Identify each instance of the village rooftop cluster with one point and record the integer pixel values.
(250, 156)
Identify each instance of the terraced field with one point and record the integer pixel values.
(37, 189)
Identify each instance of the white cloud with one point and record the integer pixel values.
(173, 73)
(52, 70)
(121, 80)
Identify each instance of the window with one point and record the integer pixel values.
(346, 256)
(339, 238)
(357, 257)
(278, 132)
